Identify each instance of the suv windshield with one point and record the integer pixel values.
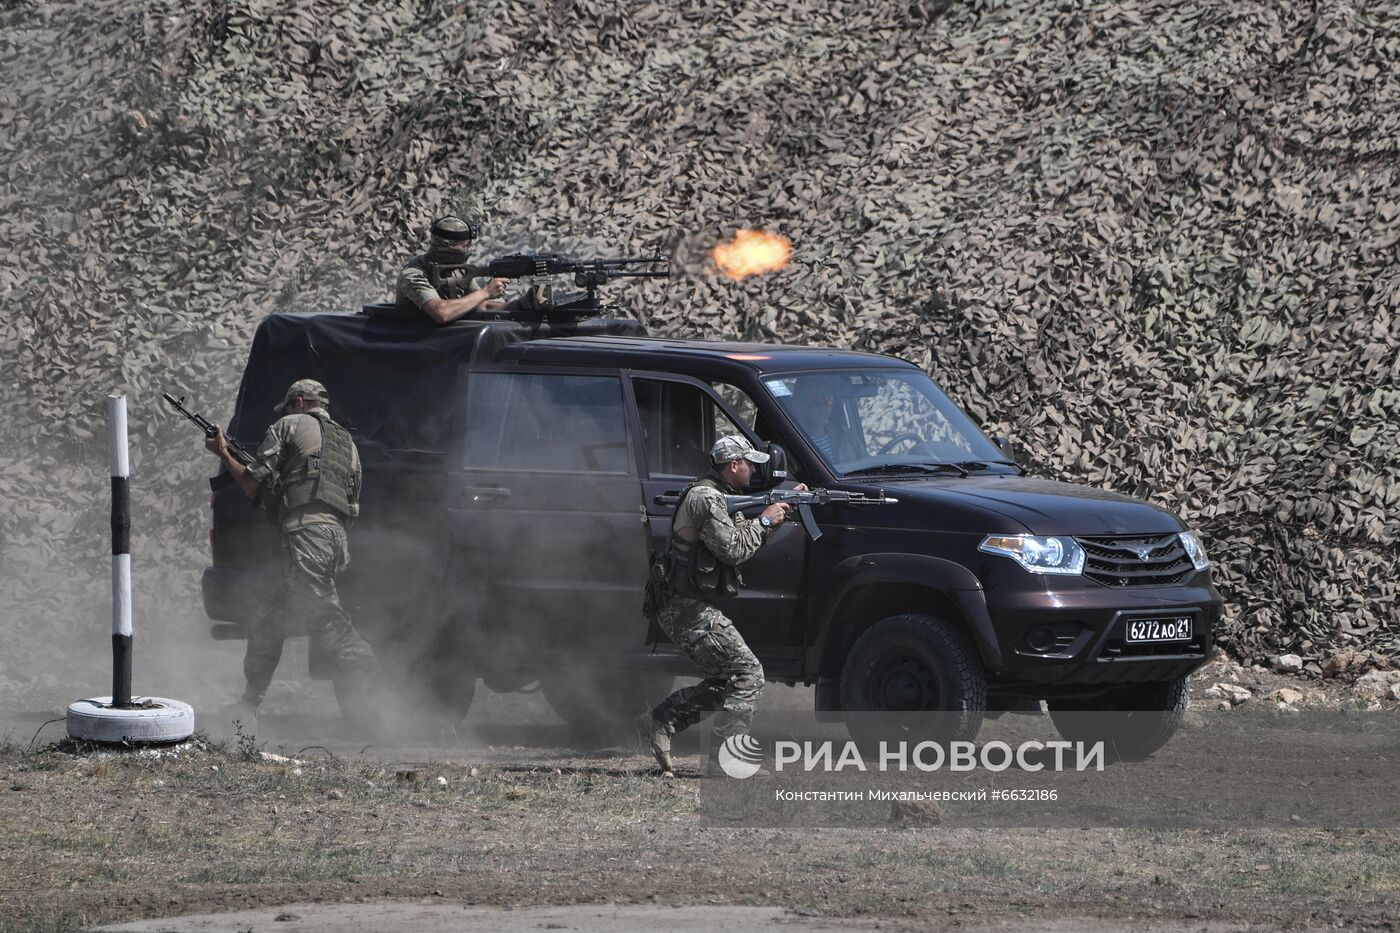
(883, 421)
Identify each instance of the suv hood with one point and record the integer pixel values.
(1042, 507)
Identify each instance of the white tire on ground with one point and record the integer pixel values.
(155, 719)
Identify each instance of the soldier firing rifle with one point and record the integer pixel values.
(803, 500)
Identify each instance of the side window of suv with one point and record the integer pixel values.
(545, 422)
(737, 399)
(680, 423)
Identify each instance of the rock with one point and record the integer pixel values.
(334, 794)
(915, 813)
(1288, 664)
(1376, 684)
(1233, 694)
(1349, 665)
(1393, 693)
(278, 759)
(1287, 696)
(1341, 663)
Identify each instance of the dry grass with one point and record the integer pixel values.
(117, 837)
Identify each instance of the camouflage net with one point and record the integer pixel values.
(1152, 242)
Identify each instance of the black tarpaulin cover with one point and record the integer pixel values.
(391, 381)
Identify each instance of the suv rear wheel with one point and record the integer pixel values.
(441, 677)
(1132, 722)
(905, 667)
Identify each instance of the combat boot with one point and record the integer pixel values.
(655, 737)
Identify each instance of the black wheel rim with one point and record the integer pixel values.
(903, 681)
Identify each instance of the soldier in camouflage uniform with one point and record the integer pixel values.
(307, 473)
(706, 548)
(430, 283)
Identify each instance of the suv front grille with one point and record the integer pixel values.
(1135, 560)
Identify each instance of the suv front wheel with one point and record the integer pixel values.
(913, 678)
(1132, 722)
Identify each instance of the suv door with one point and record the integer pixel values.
(544, 514)
(680, 419)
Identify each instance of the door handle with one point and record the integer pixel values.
(667, 498)
(485, 492)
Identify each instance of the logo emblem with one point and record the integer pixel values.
(1143, 552)
(740, 756)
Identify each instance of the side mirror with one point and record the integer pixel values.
(775, 470)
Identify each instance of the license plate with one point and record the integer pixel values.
(1175, 629)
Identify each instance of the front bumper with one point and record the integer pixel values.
(1090, 624)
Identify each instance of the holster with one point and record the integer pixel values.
(659, 588)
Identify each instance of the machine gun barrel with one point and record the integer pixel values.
(620, 267)
(804, 501)
(526, 265)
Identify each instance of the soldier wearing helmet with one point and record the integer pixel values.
(307, 473)
(706, 548)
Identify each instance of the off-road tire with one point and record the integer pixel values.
(907, 666)
(1132, 721)
(149, 720)
(436, 677)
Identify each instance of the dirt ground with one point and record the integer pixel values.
(428, 917)
(510, 811)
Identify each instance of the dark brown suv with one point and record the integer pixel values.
(517, 474)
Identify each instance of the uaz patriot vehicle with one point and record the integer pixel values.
(517, 474)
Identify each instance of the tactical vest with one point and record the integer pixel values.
(328, 474)
(697, 573)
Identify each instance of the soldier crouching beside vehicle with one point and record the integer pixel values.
(707, 545)
(307, 473)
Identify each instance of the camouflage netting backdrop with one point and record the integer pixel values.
(1155, 243)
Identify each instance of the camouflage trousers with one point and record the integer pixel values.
(315, 556)
(733, 676)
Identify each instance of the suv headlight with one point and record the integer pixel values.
(1059, 554)
(1194, 549)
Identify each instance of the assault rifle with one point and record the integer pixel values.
(804, 501)
(589, 274)
(240, 453)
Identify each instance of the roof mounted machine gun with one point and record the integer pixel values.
(589, 274)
